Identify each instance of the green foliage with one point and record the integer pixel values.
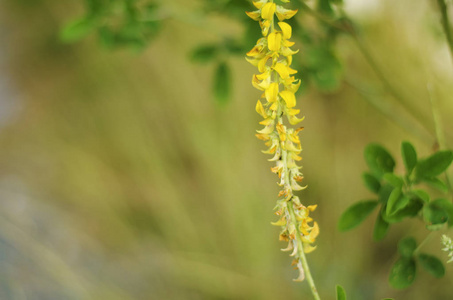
(204, 53)
(402, 274)
(399, 199)
(379, 160)
(77, 30)
(394, 180)
(432, 265)
(341, 294)
(434, 165)
(371, 182)
(435, 214)
(436, 183)
(396, 202)
(356, 214)
(118, 23)
(222, 83)
(409, 156)
(406, 247)
(381, 228)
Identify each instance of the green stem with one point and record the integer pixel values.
(301, 253)
(348, 27)
(446, 25)
(438, 128)
(428, 237)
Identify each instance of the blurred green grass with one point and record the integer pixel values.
(122, 179)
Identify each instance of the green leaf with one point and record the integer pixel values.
(204, 53)
(436, 183)
(434, 165)
(393, 179)
(447, 206)
(402, 274)
(396, 202)
(407, 246)
(371, 182)
(410, 210)
(409, 156)
(432, 264)
(421, 194)
(384, 193)
(77, 30)
(434, 213)
(341, 294)
(222, 83)
(379, 160)
(381, 228)
(356, 214)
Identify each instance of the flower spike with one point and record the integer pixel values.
(272, 55)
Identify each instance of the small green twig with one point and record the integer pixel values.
(348, 27)
(300, 250)
(427, 238)
(440, 136)
(446, 25)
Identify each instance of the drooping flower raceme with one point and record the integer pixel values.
(272, 55)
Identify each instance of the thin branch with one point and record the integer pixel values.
(446, 25)
(438, 126)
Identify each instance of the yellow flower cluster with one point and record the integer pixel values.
(272, 56)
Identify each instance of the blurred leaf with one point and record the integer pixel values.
(204, 53)
(394, 180)
(379, 160)
(434, 165)
(409, 156)
(356, 214)
(107, 37)
(407, 246)
(324, 67)
(434, 213)
(234, 48)
(402, 274)
(447, 206)
(341, 294)
(371, 182)
(222, 83)
(77, 30)
(381, 228)
(396, 202)
(384, 193)
(325, 7)
(421, 194)
(252, 34)
(432, 264)
(436, 183)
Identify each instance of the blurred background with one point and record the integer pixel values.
(122, 175)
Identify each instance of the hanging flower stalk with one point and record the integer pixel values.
(272, 56)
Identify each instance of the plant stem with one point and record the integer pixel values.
(301, 253)
(446, 25)
(438, 127)
(428, 237)
(348, 27)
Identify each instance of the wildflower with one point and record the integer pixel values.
(272, 55)
(448, 247)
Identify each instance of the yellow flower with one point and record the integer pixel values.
(272, 55)
(268, 10)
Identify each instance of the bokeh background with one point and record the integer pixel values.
(122, 178)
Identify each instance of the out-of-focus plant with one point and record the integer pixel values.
(134, 23)
(399, 197)
(118, 23)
